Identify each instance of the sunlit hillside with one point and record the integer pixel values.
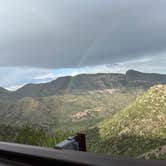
(139, 128)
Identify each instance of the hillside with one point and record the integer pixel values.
(66, 110)
(139, 128)
(114, 111)
(74, 101)
(83, 83)
(136, 131)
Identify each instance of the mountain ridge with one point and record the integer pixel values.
(86, 82)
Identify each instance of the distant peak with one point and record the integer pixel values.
(130, 72)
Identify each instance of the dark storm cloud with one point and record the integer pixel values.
(74, 33)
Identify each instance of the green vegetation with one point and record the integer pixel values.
(32, 135)
(115, 112)
(137, 131)
(41, 137)
(139, 128)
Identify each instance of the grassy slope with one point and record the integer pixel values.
(139, 128)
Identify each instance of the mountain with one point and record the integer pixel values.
(85, 97)
(79, 84)
(83, 83)
(121, 114)
(146, 80)
(139, 128)
(5, 94)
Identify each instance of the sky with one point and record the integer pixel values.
(41, 40)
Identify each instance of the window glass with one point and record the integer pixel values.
(94, 67)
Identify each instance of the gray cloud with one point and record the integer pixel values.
(76, 33)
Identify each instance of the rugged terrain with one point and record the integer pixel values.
(121, 114)
(138, 129)
(67, 101)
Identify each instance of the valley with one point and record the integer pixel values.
(121, 114)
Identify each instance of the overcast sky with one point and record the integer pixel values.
(43, 39)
